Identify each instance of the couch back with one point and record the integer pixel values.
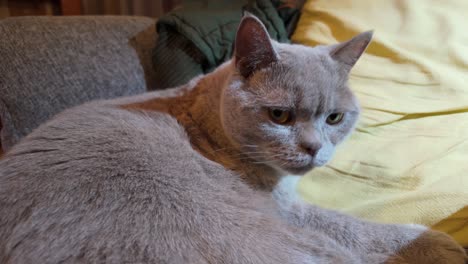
(49, 64)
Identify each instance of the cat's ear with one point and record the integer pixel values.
(253, 49)
(347, 53)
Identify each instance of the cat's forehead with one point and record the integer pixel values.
(312, 68)
(304, 77)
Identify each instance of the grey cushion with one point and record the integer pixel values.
(48, 64)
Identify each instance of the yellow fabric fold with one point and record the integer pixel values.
(408, 160)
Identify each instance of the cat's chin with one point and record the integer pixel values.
(300, 170)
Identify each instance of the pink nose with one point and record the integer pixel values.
(311, 147)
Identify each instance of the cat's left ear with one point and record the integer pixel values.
(253, 49)
(348, 53)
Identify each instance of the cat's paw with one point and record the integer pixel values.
(433, 247)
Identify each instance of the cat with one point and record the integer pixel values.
(203, 173)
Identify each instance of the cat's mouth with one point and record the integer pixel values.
(299, 170)
(286, 162)
(296, 165)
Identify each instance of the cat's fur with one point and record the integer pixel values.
(197, 174)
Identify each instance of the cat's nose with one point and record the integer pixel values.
(311, 147)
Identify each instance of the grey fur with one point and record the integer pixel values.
(171, 176)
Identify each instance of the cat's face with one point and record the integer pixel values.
(288, 106)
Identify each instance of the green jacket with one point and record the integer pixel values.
(195, 39)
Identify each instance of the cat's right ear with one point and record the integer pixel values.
(253, 49)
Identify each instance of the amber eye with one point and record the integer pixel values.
(280, 116)
(335, 118)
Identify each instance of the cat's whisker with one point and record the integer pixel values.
(257, 156)
(234, 148)
(221, 149)
(265, 156)
(251, 146)
(257, 153)
(262, 162)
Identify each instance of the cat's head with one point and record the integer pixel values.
(288, 106)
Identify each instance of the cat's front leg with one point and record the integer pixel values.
(401, 243)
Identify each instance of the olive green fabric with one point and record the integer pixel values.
(198, 37)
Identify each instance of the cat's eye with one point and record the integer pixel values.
(335, 118)
(280, 116)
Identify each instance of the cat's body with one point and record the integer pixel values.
(134, 208)
(168, 177)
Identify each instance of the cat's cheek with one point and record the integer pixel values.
(324, 155)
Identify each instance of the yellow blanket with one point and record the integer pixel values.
(408, 160)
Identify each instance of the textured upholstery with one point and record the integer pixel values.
(48, 64)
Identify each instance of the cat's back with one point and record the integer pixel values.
(100, 136)
(95, 181)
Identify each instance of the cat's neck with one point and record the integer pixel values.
(198, 110)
